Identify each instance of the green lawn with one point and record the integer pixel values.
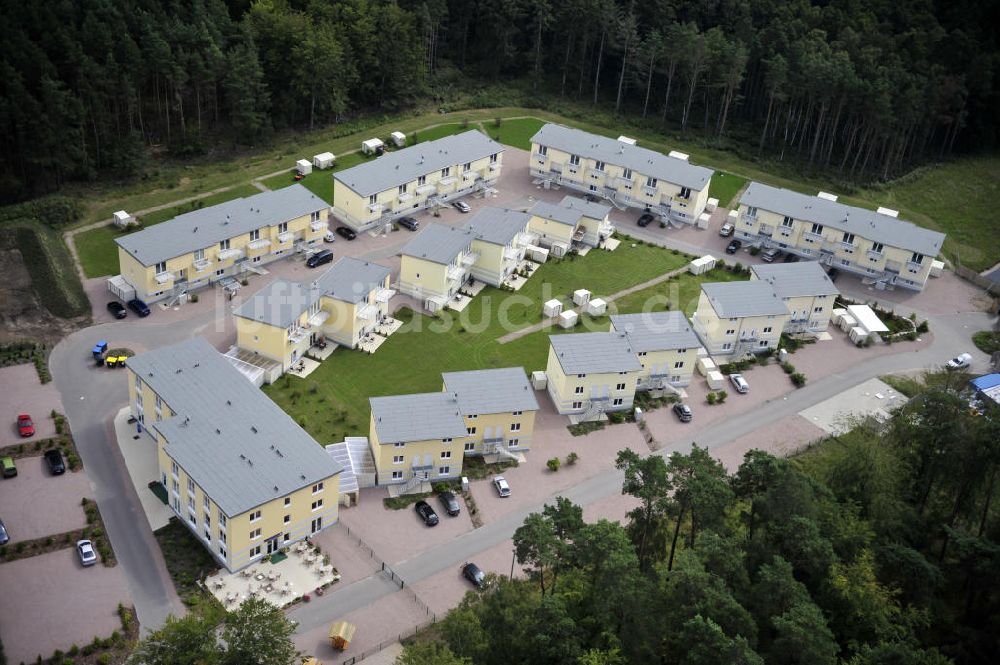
(438, 132)
(681, 292)
(333, 401)
(98, 251)
(724, 187)
(515, 132)
(319, 183)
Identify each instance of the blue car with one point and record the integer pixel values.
(139, 307)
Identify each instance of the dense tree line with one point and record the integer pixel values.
(879, 546)
(864, 87)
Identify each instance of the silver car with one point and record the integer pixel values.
(503, 489)
(739, 383)
(85, 548)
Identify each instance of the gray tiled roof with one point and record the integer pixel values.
(402, 166)
(438, 243)
(859, 221)
(737, 299)
(804, 278)
(570, 210)
(491, 390)
(498, 226)
(233, 441)
(206, 227)
(282, 301)
(656, 331)
(641, 160)
(418, 417)
(594, 353)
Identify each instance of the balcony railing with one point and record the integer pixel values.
(384, 295)
(650, 191)
(470, 258)
(526, 239)
(403, 197)
(164, 277)
(318, 225)
(622, 181)
(202, 264)
(375, 208)
(785, 230)
(262, 243)
(809, 236)
(596, 172)
(285, 236)
(319, 318)
(893, 266)
(848, 247)
(874, 256)
(606, 229)
(537, 156)
(512, 253)
(296, 335)
(446, 182)
(470, 175)
(456, 272)
(424, 190)
(766, 230)
(227, 254)
(494, 167)
(914, 266)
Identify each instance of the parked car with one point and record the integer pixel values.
(25, 426)
(645, 219)
(960, 361)
(329, 237)
(503, 489)
(739, 383)
(139, 307)
(85, 548)
(726, 230)
(462, 206)
(593, 198)
(117, 309)
(472, 573)
(7, 464)
(450, 503)
(683, 412)
(833, 274)
(4, 536)
(409, 223)
(791, 258)
(319, 258)
(769, 255)
(346, 233)
(54, 459)
(426, 513)
(733, 246)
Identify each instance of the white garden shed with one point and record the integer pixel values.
(323, 160)
(398, 139)
(122, 219)
(701, 265)
(552, 308)
(371, 146)
(304, 167)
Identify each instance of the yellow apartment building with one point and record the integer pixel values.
(500, 239)
(436, 263)
(416, 438)
(283, 320)
(571, 222)
(876, 245)
(665, 345)
(806, 290)
(243, 477)
(422, 176)
(592, 373)
(498, 406)
(203, 246)
(735, 318)
(621, 171)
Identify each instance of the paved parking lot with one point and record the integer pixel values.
(23, 393)
(37, 504)
(873, 397)
(62, 604)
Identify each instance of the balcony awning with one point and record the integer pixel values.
(319, 318)
(164, 277)
(367, 311)
(286, 236)
(263, 243)
(384, 295)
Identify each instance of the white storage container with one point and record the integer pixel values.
(712, 205)
(539, 381)
(847, 322)
(705, 365)
(581, 296)
(837, 314)
(568, 319)
(715, 380)
(552, 308)
(596, 307)
(304, 167)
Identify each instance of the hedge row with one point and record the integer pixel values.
(53, 275)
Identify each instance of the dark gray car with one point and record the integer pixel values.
(450, 503)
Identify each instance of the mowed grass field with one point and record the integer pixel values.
(333, 401)
(97, 249)
(725, 186)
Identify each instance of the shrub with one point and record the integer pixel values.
(788, 368)
(923, 327)
(571, 459)
(194, 297)
(104, 659)
(799, 379)
(722, 396)
(710, 398)
(754, 251)
(553, 464)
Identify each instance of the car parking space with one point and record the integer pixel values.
(397, 535)
(37, 504)
(69, 604)
(24, 393)
(353, 560)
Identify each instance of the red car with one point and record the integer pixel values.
(25, 426)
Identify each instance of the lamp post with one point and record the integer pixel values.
(513, 557)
